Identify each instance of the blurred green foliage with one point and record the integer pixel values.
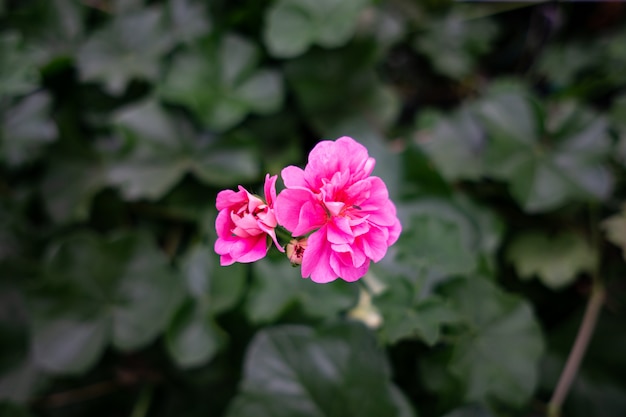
(500, 130)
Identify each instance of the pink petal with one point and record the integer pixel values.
(230, 198)
(347, 271)
(298, 211)
(223, 224)
(374, 244)
(293, 177)
(316, 258)
(394, 232)
(249, 249)
(339, 231)
(270, 189)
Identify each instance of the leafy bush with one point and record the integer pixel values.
(499, 129)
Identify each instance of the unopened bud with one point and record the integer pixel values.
(295, 250)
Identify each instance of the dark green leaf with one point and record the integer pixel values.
(333, 95)
(455, 144)
(437, 239)
(338, 371)
(546, 166)
(26, 129)
(453, 44)
(95, 292)
(129, 47)
(66, 204)
(555, 260)
(164, 148)
(221, 83)
(615, 228)
(193, 337)
(497, 358)
(18, 72)
(277, 285)
(188, 20)
(292, 26)
(407, 315)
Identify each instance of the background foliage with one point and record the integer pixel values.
(500, 130)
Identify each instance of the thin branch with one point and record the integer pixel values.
(72, 396)
(594, 305)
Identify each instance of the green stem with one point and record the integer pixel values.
(143, 402)
(283, 235)
(594, 305)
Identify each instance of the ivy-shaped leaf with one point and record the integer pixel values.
(293, 26)
(615, 228)
(437, 239)
(18, 72)
(26, 129)
(87, 176)
(496, 358)
(555, 260)
(337, 371)
(546, 164)
(95, 292)
(221, 83)
(165, 147)
(463, 41)
(454, 143)
(187, 20)
(130, 47)
(325, 80)
(407, 315)
(277, 285)
(193, 337)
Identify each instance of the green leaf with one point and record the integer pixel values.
(18, 73)
(99, 291)
(66, 204)
(437, 238)
(555, 260)
(58, 31)
(615, 229)
(26, 129)
(187, 20)
(129, 47)
(497, 357)
(221, 83)
(453, 43)
(333, 95)
(193, 337)
(164, 148)
(455, 144)
(546, 164)
(292, 26)
(407, 315)
(337, 371)
(277, 285)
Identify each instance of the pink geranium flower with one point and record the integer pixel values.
(244, 222)
(347, 212)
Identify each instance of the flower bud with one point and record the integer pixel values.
(295, 250)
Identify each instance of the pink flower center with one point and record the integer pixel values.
(253, 218)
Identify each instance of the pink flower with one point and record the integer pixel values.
(349, 212)
(244, 222)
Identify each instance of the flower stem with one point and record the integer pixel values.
(283, 235)
(585, 332)
(143, 402)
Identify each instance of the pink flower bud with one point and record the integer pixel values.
(295, 250)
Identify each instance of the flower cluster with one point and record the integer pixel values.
(340, 217)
